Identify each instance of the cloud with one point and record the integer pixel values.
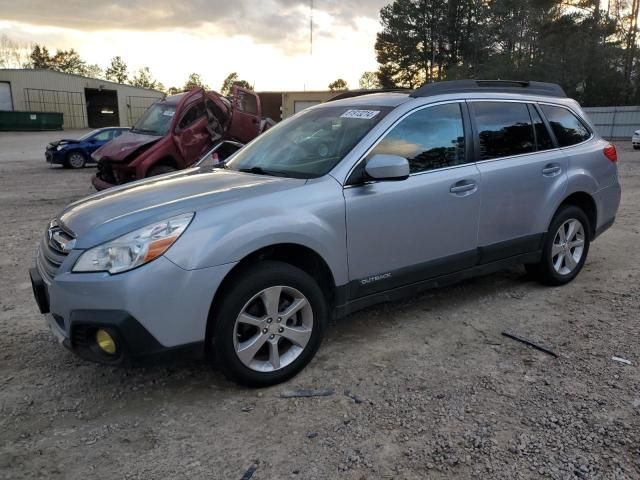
(283, 23)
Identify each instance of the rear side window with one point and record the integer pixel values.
(429, 138)
(543, 139)
(568, 129)
(504, 129)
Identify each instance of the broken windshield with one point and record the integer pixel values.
(310, 144)
(156, 120)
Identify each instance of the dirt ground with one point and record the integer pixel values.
(436, 391)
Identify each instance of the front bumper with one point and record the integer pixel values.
(100, 184)
(110, 175)
(156, 312)
(53, 156)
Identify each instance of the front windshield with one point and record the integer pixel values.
(310, 144)
(86, 136)
(156, 120)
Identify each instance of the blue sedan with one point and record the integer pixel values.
(76, 153)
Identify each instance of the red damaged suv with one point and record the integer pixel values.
(176, 132)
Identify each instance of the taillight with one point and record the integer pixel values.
(610, 152)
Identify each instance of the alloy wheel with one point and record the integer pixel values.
(568, 246)
(273, 328)
(76, 160)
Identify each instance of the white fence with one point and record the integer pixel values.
(615, 122)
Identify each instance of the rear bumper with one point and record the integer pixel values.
(607, 203)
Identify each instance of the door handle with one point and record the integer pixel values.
(551, 170)
(463, 187)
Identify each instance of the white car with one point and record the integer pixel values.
(635, 140)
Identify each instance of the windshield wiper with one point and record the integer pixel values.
(142, 130)
(260, 171)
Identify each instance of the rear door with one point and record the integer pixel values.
(402, 232)
(245, 119)
(191, 135)
(524, 177)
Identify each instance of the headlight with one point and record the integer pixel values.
(135, 248)
(59, 147)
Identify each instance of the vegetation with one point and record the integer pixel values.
(231, 80)
(369, 81)
(117, 71)
(587, 46)
(590, 47)
(339, 84)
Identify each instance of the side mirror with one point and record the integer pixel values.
(387, 167)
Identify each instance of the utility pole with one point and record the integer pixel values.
(311, 28)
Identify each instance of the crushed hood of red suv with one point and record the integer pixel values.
(120, 148)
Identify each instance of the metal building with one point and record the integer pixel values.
(84, 102)
(281, 105)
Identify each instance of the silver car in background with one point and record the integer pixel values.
(635, 140)
(345, 205)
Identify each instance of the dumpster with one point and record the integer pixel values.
(15, 121)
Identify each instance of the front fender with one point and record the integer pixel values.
(311, 215)
(148, 158)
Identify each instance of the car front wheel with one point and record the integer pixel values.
(565, 249)
(75, 160)
(269, 324)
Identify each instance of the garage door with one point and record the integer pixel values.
(5, 96)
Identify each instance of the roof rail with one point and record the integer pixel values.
(502, 86)
(358, 93)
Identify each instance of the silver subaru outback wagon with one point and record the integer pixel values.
(346, 204)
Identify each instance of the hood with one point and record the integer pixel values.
(117, 211)
(64, 141)
(118, 149)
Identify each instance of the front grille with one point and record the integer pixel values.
(81, 336)
(105, 172)
(51, 252)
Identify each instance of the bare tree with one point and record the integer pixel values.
(13, 54)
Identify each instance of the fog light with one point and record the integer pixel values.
(105, 342)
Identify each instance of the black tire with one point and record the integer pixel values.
(160, 170)
(243, 287)
(544, 271)
(75, 159)
(636, 147)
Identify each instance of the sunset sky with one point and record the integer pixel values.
(265, 41)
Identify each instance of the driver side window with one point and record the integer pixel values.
(430, 138)
(103, 136)
(194, 113)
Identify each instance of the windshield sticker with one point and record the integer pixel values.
(168, 113)
(362, 114)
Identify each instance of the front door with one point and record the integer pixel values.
(402, 232)
(523, 178)
(191, 134)
(245, 119)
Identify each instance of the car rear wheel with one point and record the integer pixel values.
(565, 248)
(269, 324)
(75, 160)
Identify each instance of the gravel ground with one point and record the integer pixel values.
(436, 391)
